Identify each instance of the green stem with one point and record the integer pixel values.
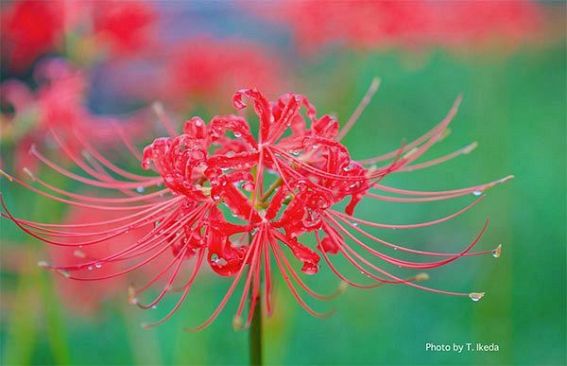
(255, 335)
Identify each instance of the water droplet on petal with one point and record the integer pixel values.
(79, 253)
(477, 193)
(475, 296)
(237, 134)
(248, 186)
(98, 265)
(322, 203)
(140, 189)
(349, 167)
(310, 268)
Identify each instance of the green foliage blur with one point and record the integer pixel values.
(514, 106)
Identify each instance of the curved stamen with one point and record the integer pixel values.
(409, 226)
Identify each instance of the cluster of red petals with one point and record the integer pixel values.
(233, 199)
(408, 24)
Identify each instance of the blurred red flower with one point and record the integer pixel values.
(126, 26)
(57, 105)
(208, 68)
(407, 24)
(233, 199)
(30, 29)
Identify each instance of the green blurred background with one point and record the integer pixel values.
(514, 106)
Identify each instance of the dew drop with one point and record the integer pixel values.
(477, 193)
(248, 187)
(421, 277)
(496, 253)
(349, 167)
(309, 268)
(355, 224)
(64, 273)
(322, 203)
(140, 189)
(475, 296)
(98, 265)
(221, 262)
(90, 268)
(132, 299)
(154, 307)
(237, 134)
(43, 264)
(79, 253)
(237, 323)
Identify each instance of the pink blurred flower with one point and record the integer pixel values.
(211, 69)
(57, 105)
(86, 297)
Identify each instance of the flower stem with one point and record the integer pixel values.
(255, 335)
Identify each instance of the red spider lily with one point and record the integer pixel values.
(205, 67)
(407, 24)
(57, 105)
(212, 201)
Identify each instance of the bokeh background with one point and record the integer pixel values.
(506, 58)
